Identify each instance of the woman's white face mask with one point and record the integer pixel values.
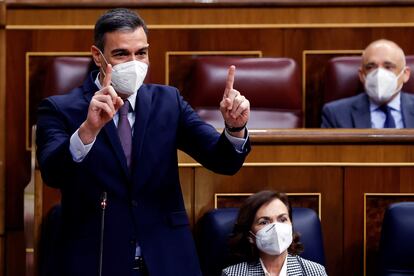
(274, 238)
(128, 77)
(381, 85)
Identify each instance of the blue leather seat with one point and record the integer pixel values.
(215, 227)
(397, 240)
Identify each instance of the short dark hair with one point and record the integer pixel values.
(119, 19)
(242, 250)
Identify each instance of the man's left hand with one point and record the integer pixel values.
(234, 107)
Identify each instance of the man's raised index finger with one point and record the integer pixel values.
(108, 76)
(230, 80)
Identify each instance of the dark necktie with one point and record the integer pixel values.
(389, 120)
(124, 131)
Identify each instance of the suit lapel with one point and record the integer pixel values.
(112, 133)
(293, 266)
(109, 129)
(360, 112)
(142, 113)
(407, 108)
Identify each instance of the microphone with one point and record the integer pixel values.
(103, 206)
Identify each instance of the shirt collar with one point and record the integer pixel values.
(283, 271)
(394, 104)
(131, 99)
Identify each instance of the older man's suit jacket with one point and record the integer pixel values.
(144, 203)
(353, 112)
(296, 266)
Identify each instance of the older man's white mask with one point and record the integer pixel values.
(381, 84)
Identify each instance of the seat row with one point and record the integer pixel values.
(214, 228)
(272, 85)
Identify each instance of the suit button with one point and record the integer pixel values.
(134, 203)
(133, 241)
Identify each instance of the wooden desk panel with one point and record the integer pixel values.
(327, 147)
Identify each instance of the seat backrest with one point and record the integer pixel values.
(59, 75)
(342, 78)
(65, 73)
(396, 249)
(215, 227)
(272, 85)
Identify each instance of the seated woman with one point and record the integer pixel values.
(263, 240)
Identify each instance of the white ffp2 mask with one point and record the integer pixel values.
(381, 85)
(128, 77)
(274, 238)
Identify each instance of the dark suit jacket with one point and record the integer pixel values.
(353, 112)
(144, 205)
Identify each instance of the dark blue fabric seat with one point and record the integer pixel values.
(215, 227)
(397, 240)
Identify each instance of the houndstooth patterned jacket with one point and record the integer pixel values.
(296, 266)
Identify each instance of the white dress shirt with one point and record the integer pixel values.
(283, 271)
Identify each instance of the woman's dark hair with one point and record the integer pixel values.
(116, 20)
(242, 250)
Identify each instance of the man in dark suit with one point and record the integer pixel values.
(113, 143)
(383, 105)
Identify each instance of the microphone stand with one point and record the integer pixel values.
(103, 206)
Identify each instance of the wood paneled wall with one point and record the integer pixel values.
(2, 132)
(290, 31)
(175, 16)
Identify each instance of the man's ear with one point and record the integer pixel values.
(361, 75)
(406, 74)
(96, 55)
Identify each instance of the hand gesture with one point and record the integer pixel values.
(234, 107)
(102, 108)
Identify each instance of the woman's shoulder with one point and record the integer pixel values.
(237, 269)
(244, 268)
(312, 268)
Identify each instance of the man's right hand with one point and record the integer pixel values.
(102, 108)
